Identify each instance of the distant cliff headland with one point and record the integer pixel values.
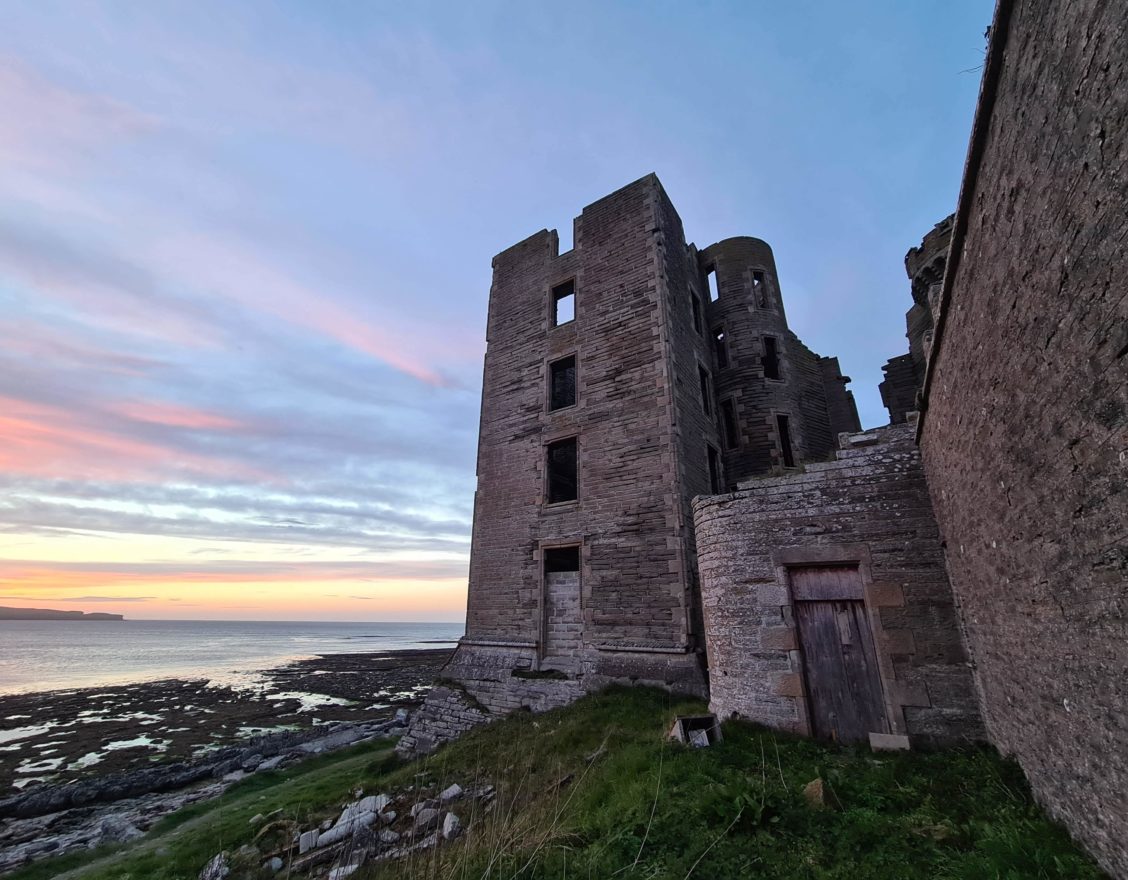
(49, 614)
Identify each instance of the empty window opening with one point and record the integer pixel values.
(695, 307)
(784, 430)
(714, 290)
(714, 470)
(706, 390)
(562, 483)
(557, 559)
(562, 383)
(770, 358)
(729, 423)
(563, 303)
(720, 348)
(760, 289)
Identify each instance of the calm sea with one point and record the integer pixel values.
(43, 655)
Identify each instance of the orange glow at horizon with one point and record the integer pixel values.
(223, 597)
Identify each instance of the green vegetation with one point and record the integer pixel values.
(179, 845)
(596, 791)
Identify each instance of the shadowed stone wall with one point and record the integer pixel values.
(809, 392)
(870, 507)
(1025, 430)
(646, 420)
(641, 433)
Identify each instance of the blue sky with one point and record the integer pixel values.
(245, 256)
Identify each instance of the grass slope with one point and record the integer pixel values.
(595, 791)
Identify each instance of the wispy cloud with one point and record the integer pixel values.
(244, 249)
(70, 121)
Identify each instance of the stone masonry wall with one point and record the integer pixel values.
(644, 428)
(446, 714)
(630, 520)
(1025, 431)
(840, 406)
(869, 507)
(816, 402)
(563, 623)
(694, 429)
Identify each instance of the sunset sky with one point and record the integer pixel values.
(245, 256)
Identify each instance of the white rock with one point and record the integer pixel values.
(428, 804)
(389, 817)
(452, 827)
(216, 869)
(308, 841)
(387, 835)
(346, 814)
(452, 793)
(426, 819)
(383, 801)
(333, 741)
(271, 763)
(274, 865)
(344, 829)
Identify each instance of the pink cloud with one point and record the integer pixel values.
(43, 440)
(176, 416)
(241, 275)
(49, 123)
(34, 342)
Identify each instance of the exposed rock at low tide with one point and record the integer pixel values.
(52, 820)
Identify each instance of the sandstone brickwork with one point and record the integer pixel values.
(904, 375)
(647, 423)
(809, 390)
(1025, 431)
(446, 715)
(870, 508)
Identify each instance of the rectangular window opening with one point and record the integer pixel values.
(562, 471)
(714, 291)
(771, 358)
(719, 347)
(706, 390)
(714, 470)
(784, 430)
(563, 303)
(557, 559)
(695, 307)
(729, 423)
(562, 383)
(760, 289)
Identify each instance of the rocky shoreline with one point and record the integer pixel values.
(162, 745)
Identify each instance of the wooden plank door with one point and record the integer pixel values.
(839, 660)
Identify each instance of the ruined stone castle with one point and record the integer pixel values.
(674, 490)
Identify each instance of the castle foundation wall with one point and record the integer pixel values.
(1025, 427)
(869, 509)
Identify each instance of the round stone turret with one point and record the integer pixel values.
(768, 384)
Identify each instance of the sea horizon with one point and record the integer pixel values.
(49, 655)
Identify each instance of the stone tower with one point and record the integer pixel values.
(617, 388)
(904, 374)
(779, 403)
